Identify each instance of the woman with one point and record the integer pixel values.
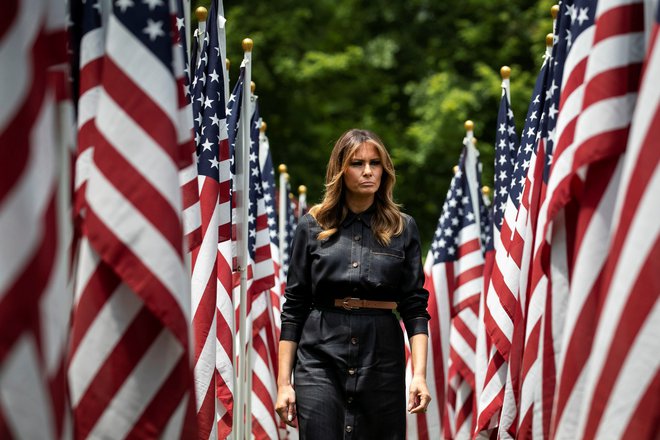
(355, 257)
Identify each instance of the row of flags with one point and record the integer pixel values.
(545, 304)
(143, 262)
(145, 248)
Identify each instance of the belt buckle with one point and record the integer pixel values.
(345, 305)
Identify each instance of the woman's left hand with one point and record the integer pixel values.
(418, 396)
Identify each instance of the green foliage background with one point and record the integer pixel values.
(411, 70)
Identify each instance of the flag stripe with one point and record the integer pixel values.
(98, 342)
(145, 71)
(164, 405)
(146, 378)
(139, 334)
(23, 50)
(33, 219)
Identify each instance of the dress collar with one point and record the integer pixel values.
(365, 216)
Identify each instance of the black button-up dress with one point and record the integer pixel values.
(349, 374)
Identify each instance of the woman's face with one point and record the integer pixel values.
(365, 169)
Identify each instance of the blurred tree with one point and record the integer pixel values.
(412, 71)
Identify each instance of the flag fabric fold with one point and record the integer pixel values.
(132, 288)
(264, 253)
(588, 174)
(212, 317)
(454, 277)
(490, 365)
(36, 146)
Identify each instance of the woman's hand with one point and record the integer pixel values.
(418, 396)
(286, 404)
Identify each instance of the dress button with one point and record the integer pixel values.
(349, 400)
(356, 238)
(349, 428)
(355, 264)
(354, 341)
(351, 371)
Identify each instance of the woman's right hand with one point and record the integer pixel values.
(286, 404)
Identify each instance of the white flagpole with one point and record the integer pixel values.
(243, 182)
(505, 72)
(202, 14)
(471, 159)
(283, 200)
(227, 90)
(186, 24)
(222, 37)
(302, 200)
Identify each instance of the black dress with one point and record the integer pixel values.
(349, 374)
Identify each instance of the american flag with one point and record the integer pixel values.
(212, 329)
(233, 112)
(529, 375)
(225, 305)
(270, 199)
(129, 367)
(289, 229)
(34, 299)
(192, 216)
(454, 271)
(267, 173)
(588, 172)
(534, 377)
(491, 368)
(260, 265)
(505, 275)
(225, 320)
(505, 301)
(624, 367)
(260, 268)
(262, 245)
(574, 34)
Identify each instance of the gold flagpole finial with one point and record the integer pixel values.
(253, 87)
(282, 168)
(302, 189)
(554, 11)
(248, 44)
(505, 72)
(455, 169)
(201, 13)
(469, 125)
(549, 40)
(263, 127)
(485, 190)
(227, 63)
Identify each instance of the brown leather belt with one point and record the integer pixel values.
(349, 303)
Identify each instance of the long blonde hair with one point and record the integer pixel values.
(387, 220)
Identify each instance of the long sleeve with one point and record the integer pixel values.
(414, 299)
(298, 293)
